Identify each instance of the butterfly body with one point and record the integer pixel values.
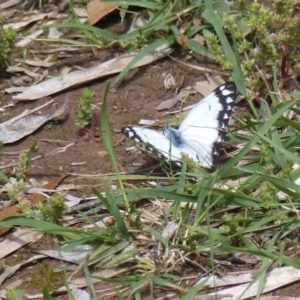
(199, 135)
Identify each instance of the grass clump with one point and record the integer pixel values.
(7, 40)
(84, 116)
(51, 211)
(19, 183)
(50, 279)
(14, 294)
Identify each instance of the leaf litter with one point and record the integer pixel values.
(29, 124)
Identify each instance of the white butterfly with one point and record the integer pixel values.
(200, 134)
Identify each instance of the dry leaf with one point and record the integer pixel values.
(98, 10)
(10, 270)
(37, 198)
(171, 102)
(18, 239)
(206, 87)
(23, 125)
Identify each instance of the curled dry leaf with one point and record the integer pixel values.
(24, 124)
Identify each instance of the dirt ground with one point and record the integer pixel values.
(134, 98)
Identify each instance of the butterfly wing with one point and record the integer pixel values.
(200, 134)
(204, 128)
(153, 141)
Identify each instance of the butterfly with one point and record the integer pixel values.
(200, 134)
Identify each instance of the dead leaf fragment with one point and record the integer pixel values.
(80, 294)
(23, 125)
(75, 256)
(37, 198)
(9, 3)
(171, 102)
(10, 211)
(18, 239)
(240, 286)
(207, 86)
(98, 10)
(10, 270)
(29, 38)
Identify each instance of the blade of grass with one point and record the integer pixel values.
(162, 282)
(112, 207)
(236, 75)
(106, 135)
(4, 177)
(30, 154)
(147, 50)
(261, 132)
(87, 28)
(89, 282)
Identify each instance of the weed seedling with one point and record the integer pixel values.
(7, 40)
(84, 116)
(19, 184)
(52, 210)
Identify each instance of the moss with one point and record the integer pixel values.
(47, 277)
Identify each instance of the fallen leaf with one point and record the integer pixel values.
(18, 239)
(75, 256)
(207, 86)
(37, 198)
(11, 211)
(80, 294)
(23, 125)
(97, 10)
(171, 102)
(10, 270)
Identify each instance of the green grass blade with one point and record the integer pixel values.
(260, 133)
(84, 27)
(112, 207)
(153, 5)
(215, 21)
(106, 135)
(145, 51)
(30, 153)
(4, 177)
(162, 282)
(46, 294)
(89, 282)
(48, 227)
(197, 48)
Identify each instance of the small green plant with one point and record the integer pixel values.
(19, 183)
(13, 294)
(84, 116)
(51, 211)
(50, 279)
(7, 40)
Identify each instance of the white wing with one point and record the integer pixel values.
(200, 134)
(154, 141)
(204, 128)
